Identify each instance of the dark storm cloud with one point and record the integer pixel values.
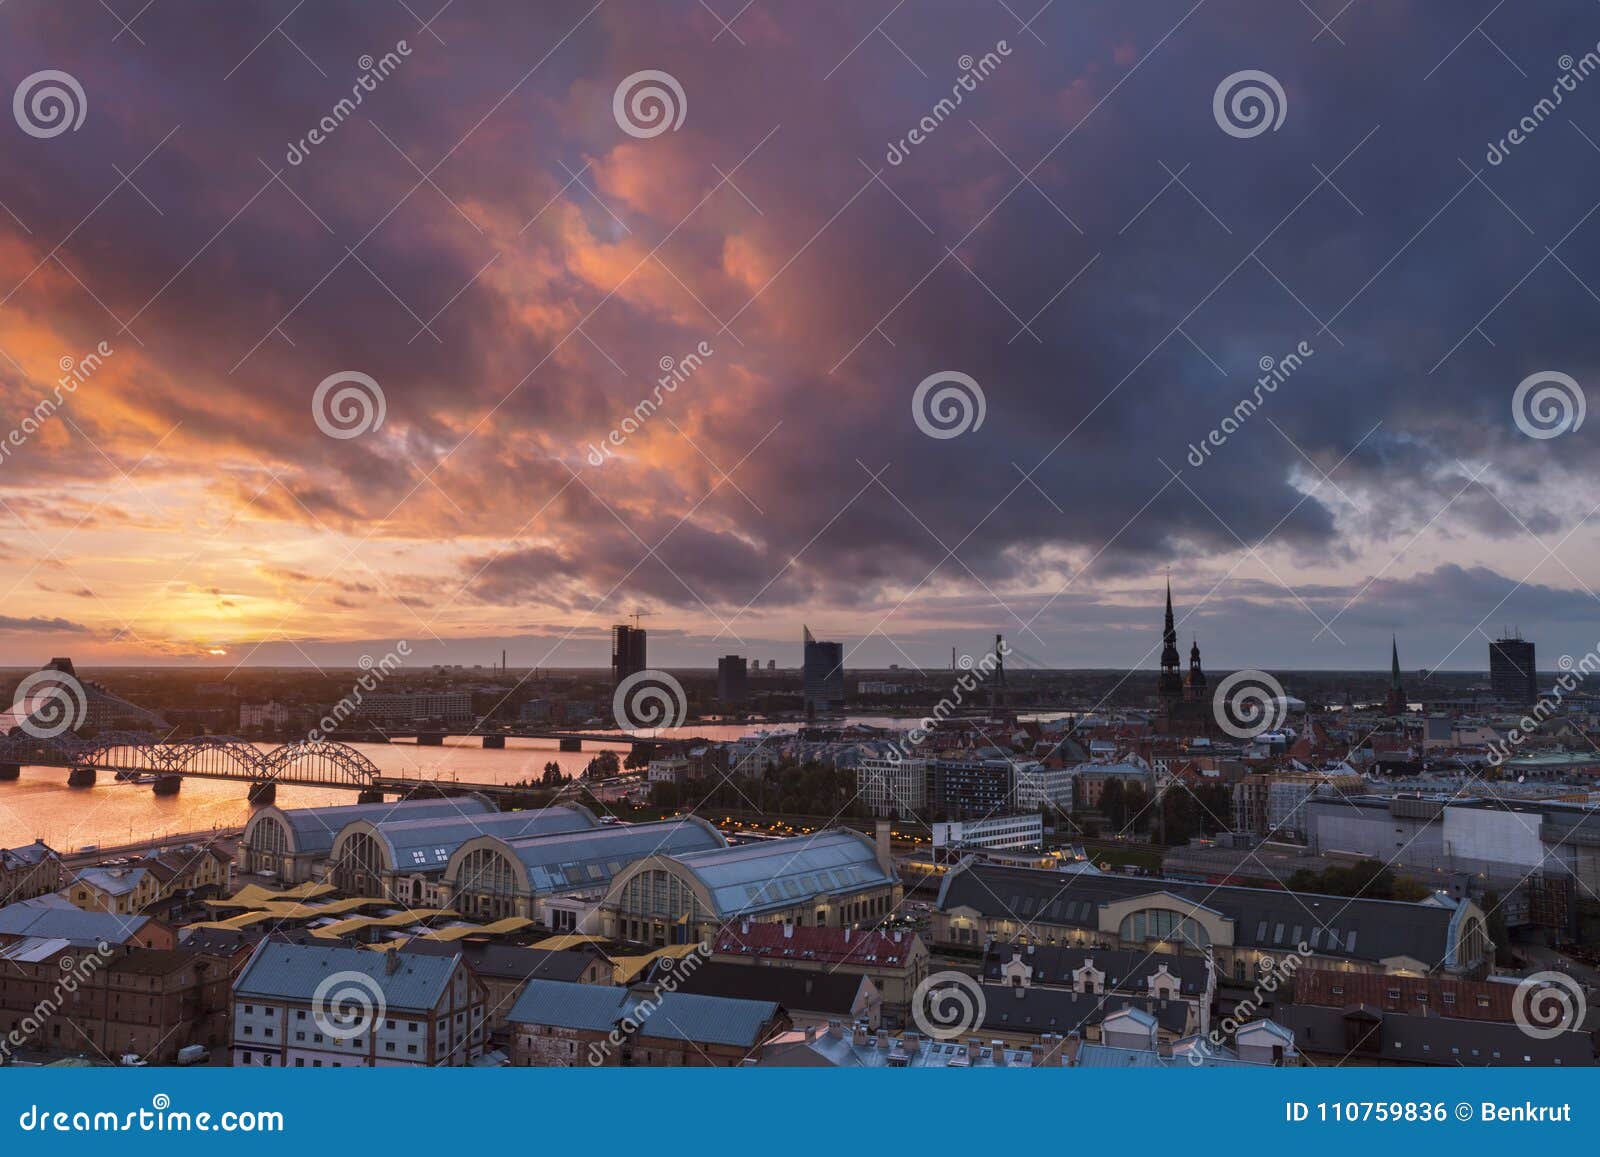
(840, 294)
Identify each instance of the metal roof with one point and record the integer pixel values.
(773, 874)
(561, 1004)
(427, 844)
(52, 917)
(572, 860)
(720, 1020)
(292, 972)
(315, 828)
(1272, 919)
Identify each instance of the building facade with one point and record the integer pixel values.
(310, 1006)
(893, 788)
(832, 878)
(1513, 676)
(823, 675)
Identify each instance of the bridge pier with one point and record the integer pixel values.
(430, 739)
(167, 784)
(370, 795)
(9, 771)
(494, 741)
(264, 792)
(80, 777)
(571, 745)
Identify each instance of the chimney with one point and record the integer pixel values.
(997, 1049)
(974, 1047)
(897, 935)
(391, 963)
(836, 1029)
(858, 1035)
(880, 841)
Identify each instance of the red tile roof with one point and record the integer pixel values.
(1417, 995)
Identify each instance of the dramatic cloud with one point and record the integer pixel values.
(675, 372)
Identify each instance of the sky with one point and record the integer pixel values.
(498, 249)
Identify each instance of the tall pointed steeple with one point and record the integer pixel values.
(1170, 685)
(1395, 702)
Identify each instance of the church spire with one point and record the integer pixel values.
(1170, 686)
(1395, 702)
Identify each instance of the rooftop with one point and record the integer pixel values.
(293, 972)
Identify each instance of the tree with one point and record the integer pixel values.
(553, 775)
(603, 766)
(1114, 803)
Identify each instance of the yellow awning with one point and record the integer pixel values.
(625, 969)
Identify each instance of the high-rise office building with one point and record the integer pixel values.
(824, 674)
(733, 686)
(627, 652)
(1512, 676)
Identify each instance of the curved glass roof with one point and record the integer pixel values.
(426, 845)
(315, 828)
(582, 859)
(771, 874)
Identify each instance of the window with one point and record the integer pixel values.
(299, 1014)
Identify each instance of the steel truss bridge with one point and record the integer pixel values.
(303, 763)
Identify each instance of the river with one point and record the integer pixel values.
(40, 805)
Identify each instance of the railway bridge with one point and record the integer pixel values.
(167, 762)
